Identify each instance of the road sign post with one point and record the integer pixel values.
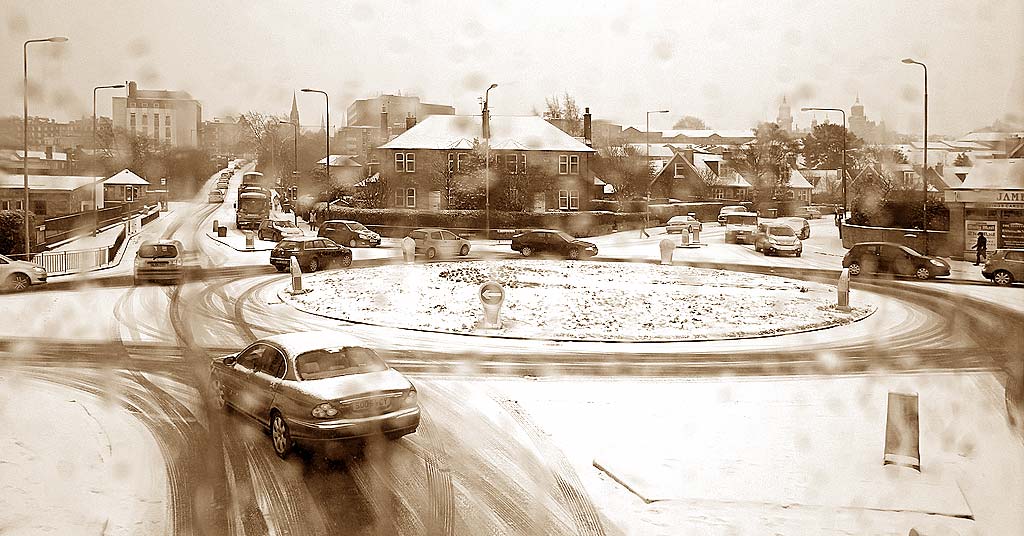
(492, 295)
(667, 248)
(409, 250)
(249, 240)
(843, 291)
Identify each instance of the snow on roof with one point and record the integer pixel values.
(125, 176)
(735, 181)
(990, 137)
(707, 133)
(658, 150)
(341, 160)
(523, 133)
(1001, 174)
(41, 155)
(796, 180)
(46, 182)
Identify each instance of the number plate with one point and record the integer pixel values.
(369, 403)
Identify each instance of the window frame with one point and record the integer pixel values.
(410, 197)
(410, 162)
(563, 199)
(563, 164)
(574, 164)
(399, 162)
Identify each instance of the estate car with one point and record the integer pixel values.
(434, 242)
(551, 241)
(312, 253)
(892, 258)
(348, 232)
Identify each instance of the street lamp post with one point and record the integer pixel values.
(485, 115)
(647, 196)
(924, 168)
(295, 163)
(24, 57)
(843, 217)
(327, 100)
(95, 200)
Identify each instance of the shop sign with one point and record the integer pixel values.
(973, 227)
(1011, 234)
(1006, 198)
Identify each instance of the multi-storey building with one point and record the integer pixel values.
(170, 117)
(367, 112)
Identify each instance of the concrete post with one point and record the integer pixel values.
(843, 291)
(409, 250)
(696, 235)
(296, 276)
(215, 225)
(667, 248)
(684, 237)
(249, 240)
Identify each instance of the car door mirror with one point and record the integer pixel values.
(230, 360)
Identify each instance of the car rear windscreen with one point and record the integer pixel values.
(333, 362)
(158, 251)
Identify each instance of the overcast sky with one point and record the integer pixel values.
(728, 62)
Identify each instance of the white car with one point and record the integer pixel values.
(19, 275)
(676, 224)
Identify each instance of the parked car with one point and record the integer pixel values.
(740, 227)
(809, 213)
(729, 210)
(159, 260)
(276, 230)
(19, 275)
(799, 225)
(315, 387)
(351, 233)
(676, 224)
(551, 241)
(216, 196)
(225, 175)
(312, 252)
(776, 239)
(433, 242)
(892, 258)
(1004, 267)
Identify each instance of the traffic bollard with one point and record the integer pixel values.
(684, 237)
(843, 291)
(491, 295)
(222, 231)
(667, 248)
(249, 240)
(408, 250)
(216, 224)
(296, 276)
(902, 431)
(696, 235)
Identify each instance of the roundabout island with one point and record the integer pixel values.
(585, 301)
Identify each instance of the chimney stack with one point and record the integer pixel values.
(410, 121)
(132, 87)
(688, 154)
(587, 127)
(384, 123)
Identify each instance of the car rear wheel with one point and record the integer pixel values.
(854, 268)
(465, 250)
(18, 282)
(527, 251)
(280, 435)
(574, 253)
(313, 265)
(1002, 278)
(923, 273)
(431, 253)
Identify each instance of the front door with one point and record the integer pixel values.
(539, 202)
(266, 381)
(435, 200)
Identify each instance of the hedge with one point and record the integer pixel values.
(397, 222)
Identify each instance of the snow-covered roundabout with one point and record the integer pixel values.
(575, 300)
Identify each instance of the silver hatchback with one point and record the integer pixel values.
(433, 242)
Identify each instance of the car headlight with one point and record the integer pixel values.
(772, 240)
(39, 270)
(410, 398)
(937, 263)
(324, 411)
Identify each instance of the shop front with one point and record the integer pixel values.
(992, 204)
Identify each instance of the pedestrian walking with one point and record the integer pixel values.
(980, 249)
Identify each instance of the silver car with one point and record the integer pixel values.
(433, 242)
(316, 387)
(19, 275)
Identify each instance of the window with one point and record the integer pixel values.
(167, 120)
(405, 162)
(574, 165)
(908, 176)
(451, 162)
(568, 200)
(410, 197)
(460, 161)
(563, 164)
(522, 163)
(400, 162)
(167, 133)
(156, 124)
(132, 121)
(400, 197)
(512, 163)
(678, 169)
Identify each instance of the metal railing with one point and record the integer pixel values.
(69, 262)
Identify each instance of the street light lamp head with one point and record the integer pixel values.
(908, 60)
(661, 112)
(806, 109)
(58, 39)
(117, 86)
(493, 86)
(307, 90)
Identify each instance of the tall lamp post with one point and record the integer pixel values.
(647, 145)
(485, 115)
(95, 200)
(843, 218)
(295, 163)
(327, 100)
(24, 57)
(924, 169)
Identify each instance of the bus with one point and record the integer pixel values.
(252, 208)
(252, 178)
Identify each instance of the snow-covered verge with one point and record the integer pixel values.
(780, 455)
(112, 482)
(576, 300)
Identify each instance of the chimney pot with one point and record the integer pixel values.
(587, 127)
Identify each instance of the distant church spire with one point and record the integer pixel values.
(323, 125)
(785, 117)
(293, 117)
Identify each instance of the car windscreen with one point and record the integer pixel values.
(158, 251)
(356, 226)
(283, 223)
(334, 362)
(735, 219)
(781, 230)
(565, 236)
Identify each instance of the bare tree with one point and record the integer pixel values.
(690, 122)
(625, 168)
(564, 108)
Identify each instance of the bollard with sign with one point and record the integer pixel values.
(696, 235)
(222, 231)
(492, 295)
(249, 240)
(409, 250)
(216, 224)
(667, 248)
(296, 271)
(843, 291)
(684, 238)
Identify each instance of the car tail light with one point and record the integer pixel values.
(324, 411)
(410, 400)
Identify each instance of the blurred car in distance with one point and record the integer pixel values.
(1004, 267)
(676, 224)
(809, 213)
(893, 258)
(159, 260)
(18, 275)
(276, 230)
(348, 232)
(729, 210)
(433, 242)
(776, 239)
(312, 252)
(216, 196)
(552, 242)
(740, 227)
(315, 387)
